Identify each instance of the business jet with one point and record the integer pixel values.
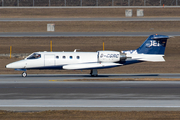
(151, 50)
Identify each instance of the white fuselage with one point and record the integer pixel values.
(68, 60)
(81, 60)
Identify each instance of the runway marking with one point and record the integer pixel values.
(70, 80)
(61, 81)
(53, 80)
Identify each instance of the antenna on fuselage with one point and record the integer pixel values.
(76, 49)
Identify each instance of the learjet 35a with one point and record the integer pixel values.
(151, 50)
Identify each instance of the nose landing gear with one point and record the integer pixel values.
(24, 74)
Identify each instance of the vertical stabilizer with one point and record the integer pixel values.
(154, 44)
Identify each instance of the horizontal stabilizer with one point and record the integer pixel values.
(90, 66)
(152, 58)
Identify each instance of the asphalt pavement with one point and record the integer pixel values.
(65, 7)
(83, 34)
(91, 19)
(45, 78)
(51, 92)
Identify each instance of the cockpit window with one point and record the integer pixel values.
(34, 56)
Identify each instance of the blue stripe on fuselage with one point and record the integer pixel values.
(47, 67)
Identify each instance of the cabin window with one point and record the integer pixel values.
(64, 57)
(34, 56)
(71, 57)
(78, 57)
(57, 57)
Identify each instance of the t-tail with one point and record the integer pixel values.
(151, 50)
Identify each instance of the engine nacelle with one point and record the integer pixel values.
(111, 56)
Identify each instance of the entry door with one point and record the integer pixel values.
(49, 60)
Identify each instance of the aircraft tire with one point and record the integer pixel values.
(94, 75)
(24, 74)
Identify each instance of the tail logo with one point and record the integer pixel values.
(152, 43)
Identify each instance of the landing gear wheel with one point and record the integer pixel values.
(94, 73)
(24, 74)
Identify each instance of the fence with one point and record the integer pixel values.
(89, 2)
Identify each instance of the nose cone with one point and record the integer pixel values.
(12, 65)
(15, 65)
(8, 66)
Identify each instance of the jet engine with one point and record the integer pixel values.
(111, 56)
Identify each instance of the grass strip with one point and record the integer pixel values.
(90, 115)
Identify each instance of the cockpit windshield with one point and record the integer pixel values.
(34, 56)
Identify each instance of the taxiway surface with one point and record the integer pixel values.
(43, 78)
(50, 92)
(82, 34)
(90, 19)
(65, 7)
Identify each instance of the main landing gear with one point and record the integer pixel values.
(24, 74)
(94, 73)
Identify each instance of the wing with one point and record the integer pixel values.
(90, 66)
